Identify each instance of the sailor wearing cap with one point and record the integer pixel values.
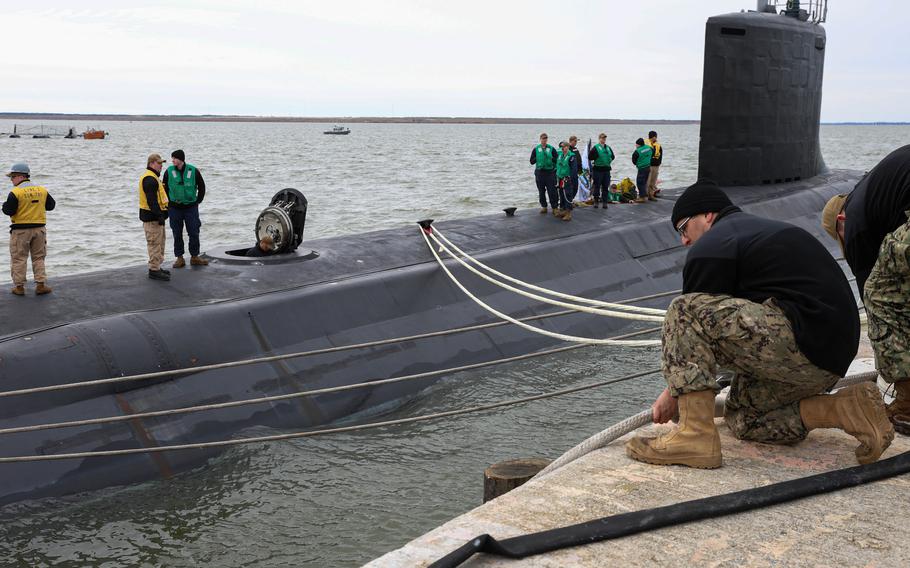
(26, 204)
(153, 213)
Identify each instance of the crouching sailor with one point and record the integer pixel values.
(153, 213)
(871, 225)
(26, 204)
(765, 299)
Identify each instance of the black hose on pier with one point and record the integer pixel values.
(626, 524)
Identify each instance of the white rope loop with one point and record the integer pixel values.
(615, 306)
(564, 337)
(586, 309)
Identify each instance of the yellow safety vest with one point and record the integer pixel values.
(32, 199)
(162, 196)
(657, 149)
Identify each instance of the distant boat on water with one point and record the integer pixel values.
(338, 130)
(92, 134)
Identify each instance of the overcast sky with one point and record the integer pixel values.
(597, 58)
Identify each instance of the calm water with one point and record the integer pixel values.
(343, 499)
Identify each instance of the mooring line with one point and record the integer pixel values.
(310, 433)
(275, 398)
(614, 305)
(542, 299)
(562, 336)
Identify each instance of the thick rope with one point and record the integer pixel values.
(643, 418)
(542, 299)
(275, 398)
(310, 433)
(623, 307)
(564, 337)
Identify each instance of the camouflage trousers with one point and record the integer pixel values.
(705, 332)
(887, 300)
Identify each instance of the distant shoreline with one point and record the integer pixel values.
(327, 119)
(367, 119)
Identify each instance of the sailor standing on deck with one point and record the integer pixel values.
(641, 157)
(566, 169)
(185, 190)
(871, 224)
(153, 213)
(26, 204)
(601, 157)
(656, 158)
(765, 299)
(573, 147)
(543, 158)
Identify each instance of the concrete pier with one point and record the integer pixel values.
(862, 526)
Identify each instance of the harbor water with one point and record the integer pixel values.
(342, 499)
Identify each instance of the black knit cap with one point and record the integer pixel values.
(179, 155)
(703, 196)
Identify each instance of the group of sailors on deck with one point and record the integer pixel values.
(557, 174)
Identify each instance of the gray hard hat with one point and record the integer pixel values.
(19, 168)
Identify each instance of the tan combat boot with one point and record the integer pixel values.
(695, 442)
(18, 290)
(543, 210)
(899, 409)
(568, 215)
(651, 196)
(558, 212)
(42, 289)
(198, 261)
(179, 263)
(859, 411)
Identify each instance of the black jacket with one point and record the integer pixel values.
(200, 192)
(11, 205)
(874, 208)
(755, 259)
(578, 168)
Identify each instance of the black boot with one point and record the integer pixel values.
(159, 275)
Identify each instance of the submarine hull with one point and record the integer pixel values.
(332, 292)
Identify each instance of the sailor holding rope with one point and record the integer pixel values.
(765, 299)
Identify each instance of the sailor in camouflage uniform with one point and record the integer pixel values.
(871, 224)
(765, 299)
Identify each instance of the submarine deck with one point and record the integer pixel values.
(102, 293)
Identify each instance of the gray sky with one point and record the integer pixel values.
(600, 58)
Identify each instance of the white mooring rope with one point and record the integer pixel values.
(564, 337)
(577, 307)
(623, 307)
(300, 394)
(310, 433)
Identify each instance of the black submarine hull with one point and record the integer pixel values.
(354, 289)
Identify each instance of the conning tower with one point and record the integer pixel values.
(762, 95)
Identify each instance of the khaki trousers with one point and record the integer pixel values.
(25, 242)
(154, 240)
(652, 179)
